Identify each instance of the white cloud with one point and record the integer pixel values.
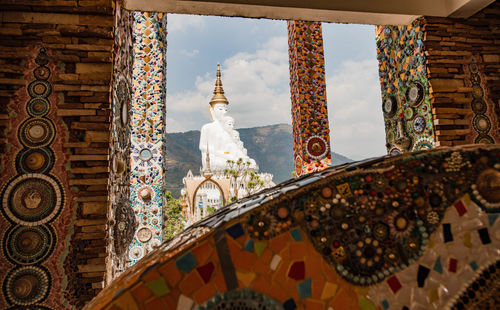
(256, 85)
(189, 53)
(354, 109)
(182, 23)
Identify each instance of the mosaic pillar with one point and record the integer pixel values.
(405, 88)
(311, 133)
(147, 121)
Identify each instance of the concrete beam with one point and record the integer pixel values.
(378, 12)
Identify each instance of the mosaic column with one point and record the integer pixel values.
(311, 133)
(405, 88)
(147, 121)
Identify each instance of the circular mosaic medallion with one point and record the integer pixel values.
(474, 68)
(390, 106)
(423, 144)
(408, 113)
(244, 299)
(41, 73)
(32, 199)
(42, 58)
(145, 154)
(316, 147)
(36, 132)
(477, 91)
(484, 139)
(38, 107)
(29, 245)
(39, 89)
(419, 124)
(144, 234)
(395, 151)
(27, 285)
(478, 106)
(415, 94)
(39, 160)
(481, 123)
(136, 253)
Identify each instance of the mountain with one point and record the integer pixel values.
(271, 146)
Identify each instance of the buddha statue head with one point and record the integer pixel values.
(228, 123)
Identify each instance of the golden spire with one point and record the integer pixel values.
(218, 91)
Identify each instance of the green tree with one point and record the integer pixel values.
(242, 177)
(174, 221)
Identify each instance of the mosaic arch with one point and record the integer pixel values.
(414, 231)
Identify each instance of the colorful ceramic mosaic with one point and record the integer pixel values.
(121, 211)
(405, 88)
(483, 119)
(407, 232)
(147, 121)
(311, 133)
(34, 200)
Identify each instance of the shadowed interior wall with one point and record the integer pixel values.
(55, 73)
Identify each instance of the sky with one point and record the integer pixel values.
(253, 54)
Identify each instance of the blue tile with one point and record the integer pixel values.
(186, 262)
(474, 265)
(235, 231)
(296, 235)
(492, 218)
(385, 304)
(249, 245)
(304, 288)
(438, 266)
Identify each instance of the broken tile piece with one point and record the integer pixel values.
(492, 218)
(296, 235)
(460, 207)
(422, 274)
(297, 271)
(329, 290)
(186, 262)
(438, 266)
(235, 231)
(275, 262)
(447, 235)
(290, 304)
(452, 265)
(158, 287)
(304, 288)
(484, 235)
(249, 246)
(184, 303)
(260, 247)
(394, 284)
(206, 271)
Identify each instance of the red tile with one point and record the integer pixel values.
(460, 207)
(394, 284)
(206, 271)
(297, 271)
(452, 266)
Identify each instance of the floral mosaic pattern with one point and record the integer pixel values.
(311, 133)
(405, 88)
(416, 224)
(147, 120)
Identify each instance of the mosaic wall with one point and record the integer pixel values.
(147, 134)
(483, 120)
(311, 133)
(36, 213)
(405, 88)
(415, 231)
(121, 213)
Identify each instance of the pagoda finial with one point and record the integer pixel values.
(207, 173)
(218, 91)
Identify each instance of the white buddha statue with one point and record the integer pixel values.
(218, 136)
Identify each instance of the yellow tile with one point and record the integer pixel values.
(329, 290)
